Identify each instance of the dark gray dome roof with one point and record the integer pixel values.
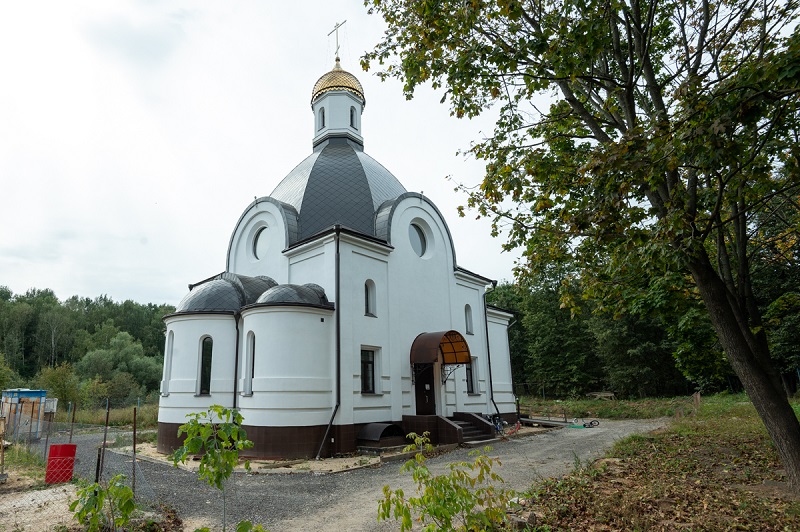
(214, 296)
(226, 292)
(337, 184)
(292, 294)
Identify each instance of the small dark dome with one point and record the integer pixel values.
(293, 294)
(338, 184)
(226, 292)
(218, 295)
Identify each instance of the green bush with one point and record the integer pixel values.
(466, 498)
(100, 508)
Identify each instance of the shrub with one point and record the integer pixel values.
(464, 499)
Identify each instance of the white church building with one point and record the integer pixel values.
(342, 318)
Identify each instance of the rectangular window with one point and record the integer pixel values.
(367, 371)
(472, 376)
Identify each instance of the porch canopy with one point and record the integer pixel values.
(452, 346)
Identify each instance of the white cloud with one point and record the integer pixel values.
(133, 134)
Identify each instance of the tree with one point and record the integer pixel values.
(55, 328)
(671, 124)
(636, 354)
(8, 377)
(218, 435)
(122, 354)
(60, 382)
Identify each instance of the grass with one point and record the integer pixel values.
(146, 416)
(23, 462)
(716, 471)
(606, 409)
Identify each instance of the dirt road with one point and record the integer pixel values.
(347, 501)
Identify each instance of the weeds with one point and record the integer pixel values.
(713, 464)
(146, 416)
(584, 408)
(25, 461)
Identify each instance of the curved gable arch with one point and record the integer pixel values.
(452, 346)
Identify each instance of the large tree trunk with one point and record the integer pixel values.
(754, 368)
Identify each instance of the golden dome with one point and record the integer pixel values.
(337, 80)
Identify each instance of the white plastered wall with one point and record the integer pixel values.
(314, 262)
(293, 383)
(501, 360)
(362, 261)
(265, 258)
(188, 332)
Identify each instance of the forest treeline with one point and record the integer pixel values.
(81, 349)
(85, 350)
(566, 345)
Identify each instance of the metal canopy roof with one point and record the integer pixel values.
(452, 346)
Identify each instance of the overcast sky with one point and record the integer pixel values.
(134, 133)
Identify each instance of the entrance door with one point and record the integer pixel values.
(424, 390)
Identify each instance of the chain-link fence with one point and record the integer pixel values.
(91, 453)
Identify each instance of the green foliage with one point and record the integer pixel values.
(247, 526)
(636, 354)
(691, 472)
(98, 507)
(217, 434)
(419, 442)
(599, 408)
(8, 377)
(561, 353)
(93, 392)
(467, 498)
(671, 127)
(38, 331)
(60, 382)
(123, 355)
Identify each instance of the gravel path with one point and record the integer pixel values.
(347, 501)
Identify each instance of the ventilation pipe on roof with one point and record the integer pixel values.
(337, 231)
(488, 353)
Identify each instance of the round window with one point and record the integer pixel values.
(260, 242)
(417, 237)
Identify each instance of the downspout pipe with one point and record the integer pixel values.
(236, 317)
(488, 350)
(337, 232)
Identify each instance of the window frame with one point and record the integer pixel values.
(204, 374)
(167, 374)
(473, 383)
(250, 363)
(370, 299)
(371, 375)
(420, 241)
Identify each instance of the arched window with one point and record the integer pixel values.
(353, 118)
(167, 364)
(205, 366)
(250, 361)
(322, 118)
(468, 319)
(369, 298)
